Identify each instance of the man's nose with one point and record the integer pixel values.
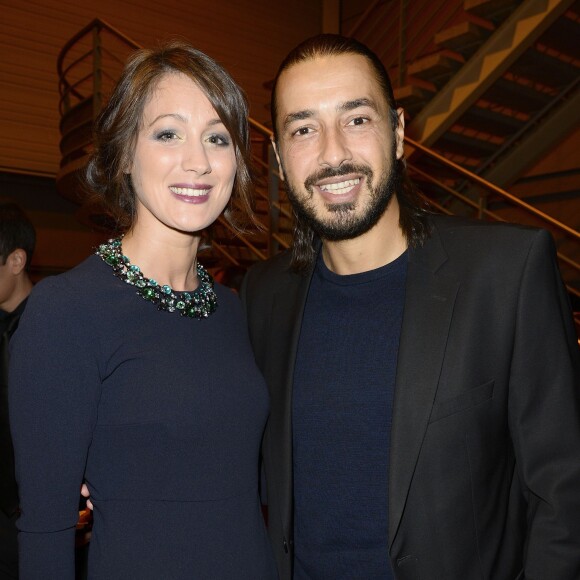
(334, 149)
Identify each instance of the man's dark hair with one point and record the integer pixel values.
(413, 206)
(16, 231)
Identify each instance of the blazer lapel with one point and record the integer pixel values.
(429, 302)
(288, 309)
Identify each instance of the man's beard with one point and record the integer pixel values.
(346, 224)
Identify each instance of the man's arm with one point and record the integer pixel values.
(544, 416)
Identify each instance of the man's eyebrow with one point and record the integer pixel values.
(298, 116)
(356, 103)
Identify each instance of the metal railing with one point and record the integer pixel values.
(479, 206)
(88, 67)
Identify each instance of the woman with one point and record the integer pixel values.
(132, 370)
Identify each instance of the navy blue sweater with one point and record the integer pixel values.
(342, 410)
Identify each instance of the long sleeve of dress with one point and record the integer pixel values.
(54, 393)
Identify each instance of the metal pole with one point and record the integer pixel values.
(274, 201)
(402, 42)
(97, 71)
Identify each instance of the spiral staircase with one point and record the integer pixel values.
(461, 100)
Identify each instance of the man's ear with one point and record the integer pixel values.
(280, 169)
(400, 133)
(16, 261)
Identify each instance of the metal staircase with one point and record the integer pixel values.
(92, 60)
(506, 100)
(489, 87)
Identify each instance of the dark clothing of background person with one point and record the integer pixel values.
(8, 489)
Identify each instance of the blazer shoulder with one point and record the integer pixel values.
(476, 236)
(451, 225)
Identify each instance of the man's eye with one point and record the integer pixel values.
(302, 131)
(359, 121)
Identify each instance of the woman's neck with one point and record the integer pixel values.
(169, 258)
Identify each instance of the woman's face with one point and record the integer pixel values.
(184, 163)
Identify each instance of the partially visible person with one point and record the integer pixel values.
(424, 370)
(134, 370)
(17, 240)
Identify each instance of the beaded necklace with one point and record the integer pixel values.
(197, 304)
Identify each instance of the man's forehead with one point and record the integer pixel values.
(326, 79)
(321, 66)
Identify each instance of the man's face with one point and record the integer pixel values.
(336, 144)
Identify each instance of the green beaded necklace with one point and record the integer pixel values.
(197, 304)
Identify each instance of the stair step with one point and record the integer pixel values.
(80, 138)
(412, 97)
(465, 37)
(517, 97)
(555, 72)
(486, 120)
(463, 145)
(80, 114)
(563, 36)
(494, 10)
(437, 68)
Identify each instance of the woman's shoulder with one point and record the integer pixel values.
(86, 277)
(73, 291)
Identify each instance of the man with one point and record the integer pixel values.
(17, 239)
(423, 370)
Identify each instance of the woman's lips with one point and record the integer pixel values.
(191, 193)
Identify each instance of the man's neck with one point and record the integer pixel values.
(381, 245)
(21, 292)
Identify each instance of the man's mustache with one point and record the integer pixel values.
(329, 172)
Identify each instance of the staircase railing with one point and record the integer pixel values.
(81, 64)
(439, 188)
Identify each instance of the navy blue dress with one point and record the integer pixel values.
(161, 414)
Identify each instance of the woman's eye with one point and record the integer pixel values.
(166, 136)
(220, 140)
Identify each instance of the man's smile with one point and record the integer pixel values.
(340, 187)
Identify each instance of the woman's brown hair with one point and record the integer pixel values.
(118, 124)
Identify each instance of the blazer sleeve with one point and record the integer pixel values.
(544, 416)
(54, 392)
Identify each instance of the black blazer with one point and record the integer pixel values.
(484, 472)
